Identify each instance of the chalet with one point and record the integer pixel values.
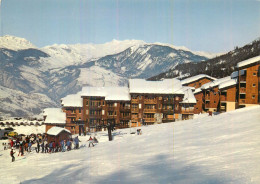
(248, 82)
(72, 106)
(58, 134)
(54, 117)
(197, 81)
(188, 103)
(211, 94)
(103, 105)
(155, 101)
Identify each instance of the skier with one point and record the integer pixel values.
(46, 147)
(76, 140)
(30, 146)
(42, 145)
(12, 143)
(68, 145)
(38, 146)
(64, 146)
(95, 140)
(12, 155)
(90, 141)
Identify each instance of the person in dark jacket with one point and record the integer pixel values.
(46, 147)
(12, 155)
(42, 145)
(38, 146)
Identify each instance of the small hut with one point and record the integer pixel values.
(57, 134)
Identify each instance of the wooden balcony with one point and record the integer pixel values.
(134, 100)
(147, 120)
(110, 108)
(134, 110)
(206, 105)
(149, 101)
(223, 98)
(95, 107)
(125, 117)
(242, 90)
(134, 119)
(167, 111)
(95, 116)
(207, 98)
(168, 101)
(125, 109)
(242, 101)
(187, 111)
(242, 79)
(150, 110)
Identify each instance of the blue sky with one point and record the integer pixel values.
(205, 25)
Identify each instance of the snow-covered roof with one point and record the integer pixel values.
(110, 93)
(56, 131)
(195, 78)
(235, 74)
(248, 61)
(165, 86)
(215, 83)
(228, 83)
(197, 90)
(73, 100)
(188, 96)
(54, 116)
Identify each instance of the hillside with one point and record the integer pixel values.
(210, 149)
(58, 70)
(218, 67)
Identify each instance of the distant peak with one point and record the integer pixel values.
(15, 43)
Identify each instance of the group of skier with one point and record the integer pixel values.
(46, 147)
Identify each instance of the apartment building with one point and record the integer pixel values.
(248, 82)
(155, 101)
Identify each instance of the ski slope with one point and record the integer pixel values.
(223, 148)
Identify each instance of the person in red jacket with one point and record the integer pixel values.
(53, 146)
(12, 143)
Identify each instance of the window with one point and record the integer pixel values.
(103, 103)
(110, 113)
(254, 74)
(160, 98)
(86, 111)
(87, 103)
(176, 98)
(79, 110)
(103, 112)
(254, 85)
(140, 97)
(253, 96)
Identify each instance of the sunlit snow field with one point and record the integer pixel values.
(216, 149)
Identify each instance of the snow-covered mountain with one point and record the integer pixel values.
(58, 70)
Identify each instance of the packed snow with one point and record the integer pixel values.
(219, 149)
(56, 131)
(215, 83)
(228, 83)
(165, 86)
(188, 96)
(195, 78)
(110, 93)
(73, 100)
(54, 115)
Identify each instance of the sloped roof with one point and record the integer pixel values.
(73, 100)
(197, 90)
(54, 116)
(248, 61)
(215, 83)
(166, 86)
(195, 78)
(110, 93)
(56, 131)
(228, 83)
(188, 96)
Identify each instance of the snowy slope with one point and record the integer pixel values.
(220, 149)
(17, 103)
